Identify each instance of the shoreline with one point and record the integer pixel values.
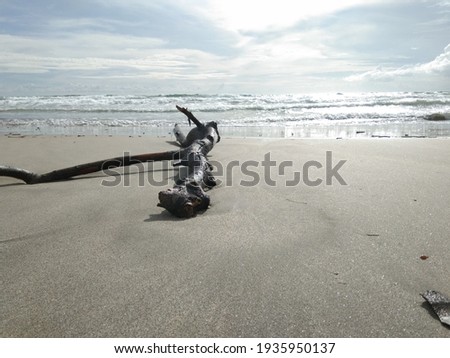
(85, 259)
(319, 130)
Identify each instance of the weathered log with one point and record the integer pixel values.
(188, 195)
(82, 169)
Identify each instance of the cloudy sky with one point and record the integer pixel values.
(223, 46)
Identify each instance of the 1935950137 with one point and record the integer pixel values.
(298, 348)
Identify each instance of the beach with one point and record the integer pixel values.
(343, 253)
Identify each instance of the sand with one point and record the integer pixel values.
(82, 259)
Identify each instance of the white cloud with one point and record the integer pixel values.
(440, 64)
(107, 56)
(256, 15)
(240, 46)
(284, 49)
(79, 45)
(82, 24)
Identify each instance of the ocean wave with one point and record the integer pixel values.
(227, 109)
(212, 103)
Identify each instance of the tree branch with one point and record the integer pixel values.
(187, 196)
(82, 169)
(190, 117)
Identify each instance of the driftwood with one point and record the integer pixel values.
(187, 196)
(82, 169)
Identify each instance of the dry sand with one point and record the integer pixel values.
(81, 259)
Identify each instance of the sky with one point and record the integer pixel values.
(215, 46)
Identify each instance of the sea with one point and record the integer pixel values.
(330, 115)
